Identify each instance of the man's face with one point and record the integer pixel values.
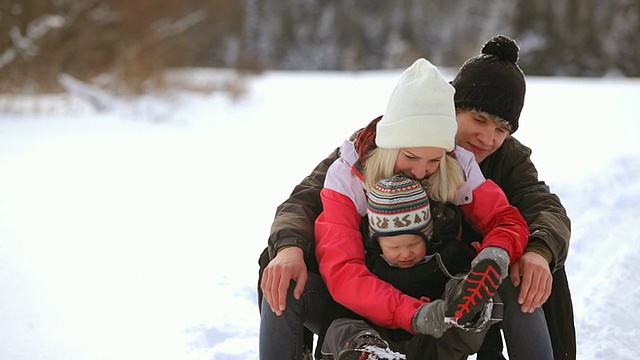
(479, 133)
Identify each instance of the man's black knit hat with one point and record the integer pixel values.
(492, 81)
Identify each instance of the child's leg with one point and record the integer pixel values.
(346, 333)
(455, 344)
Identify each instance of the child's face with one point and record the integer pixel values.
(403, 250)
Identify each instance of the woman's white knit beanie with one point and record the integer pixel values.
(420, 111)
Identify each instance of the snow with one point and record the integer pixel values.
(133, 232)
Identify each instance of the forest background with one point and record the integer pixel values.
(126, 46)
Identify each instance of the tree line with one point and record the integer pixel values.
(127, 45)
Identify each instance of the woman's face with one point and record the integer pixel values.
(418, 162)
(403, 250)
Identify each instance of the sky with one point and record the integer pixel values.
(132, 229)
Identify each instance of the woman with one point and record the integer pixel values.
(415, 137)
(416, 255)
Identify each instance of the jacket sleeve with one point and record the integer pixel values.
(500, 223)
(549, 224)
(295, 217)
(340, 253)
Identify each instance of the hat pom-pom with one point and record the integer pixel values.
(502, 47)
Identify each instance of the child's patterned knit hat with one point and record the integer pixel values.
(399, 205)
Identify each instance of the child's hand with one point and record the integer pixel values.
(499, 255)
(429, 319)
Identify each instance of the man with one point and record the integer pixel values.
(489, 97)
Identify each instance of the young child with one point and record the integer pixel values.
(412, 245)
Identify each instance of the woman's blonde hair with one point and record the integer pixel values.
(442, 185)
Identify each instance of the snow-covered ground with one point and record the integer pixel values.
(134, 232)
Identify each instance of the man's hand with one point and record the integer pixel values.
(533, 274)
(286, 266)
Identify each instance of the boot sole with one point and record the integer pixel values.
(370, 353)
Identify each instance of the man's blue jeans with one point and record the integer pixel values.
(526, 334)
(281, 337)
